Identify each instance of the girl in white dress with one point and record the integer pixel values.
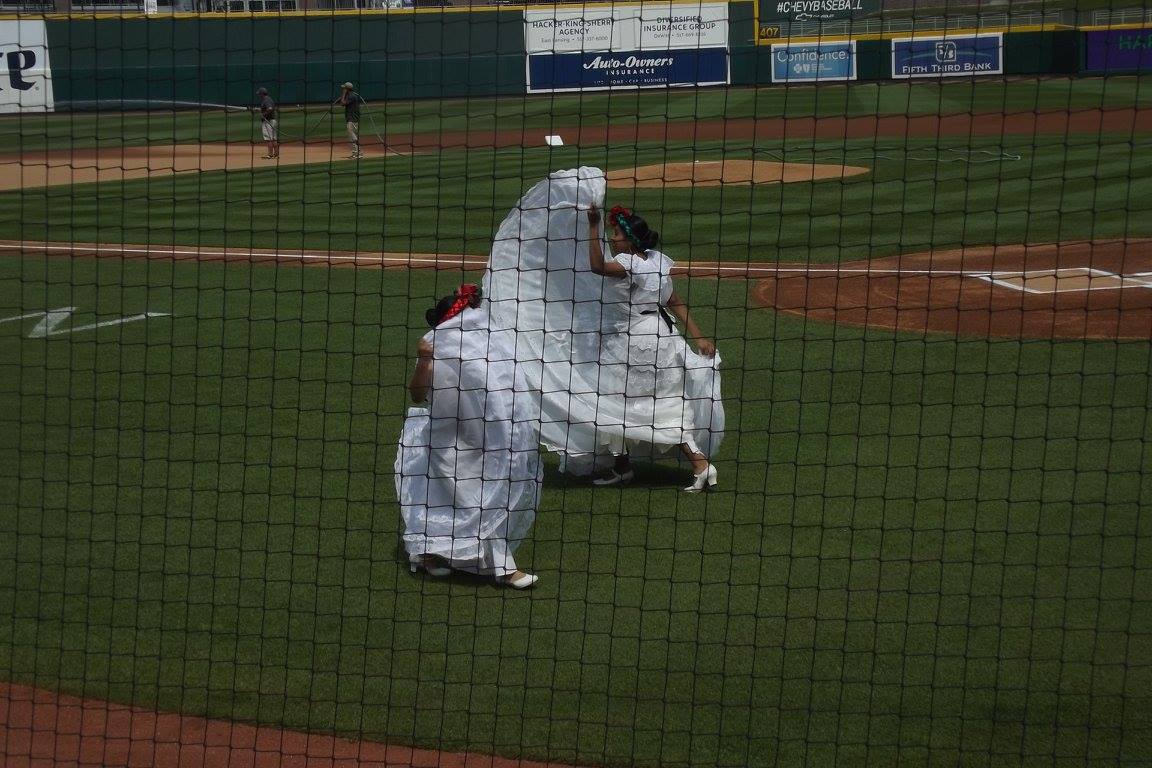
(468, 472)
(643, 362)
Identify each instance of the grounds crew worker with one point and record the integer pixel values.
(269, 125)
(352, 102)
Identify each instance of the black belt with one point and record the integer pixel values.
(664, 314)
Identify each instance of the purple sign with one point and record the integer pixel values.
(1118, 50)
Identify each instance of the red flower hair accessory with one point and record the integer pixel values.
(619, 214)
(467, 295)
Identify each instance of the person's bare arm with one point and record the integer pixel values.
(421, 380)
(596, 248)
(679, 309)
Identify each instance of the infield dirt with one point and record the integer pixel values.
(713, 173)
(83, 166)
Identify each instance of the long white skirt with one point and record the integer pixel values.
(471, 506)
(647, 398)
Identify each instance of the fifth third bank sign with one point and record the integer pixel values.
(950, 56)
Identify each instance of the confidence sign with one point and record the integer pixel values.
(822, 62)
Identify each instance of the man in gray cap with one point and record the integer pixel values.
(269, 125)
(352, 102)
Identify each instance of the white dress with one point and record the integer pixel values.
(468, 471)
(643, 362)
(577, 331)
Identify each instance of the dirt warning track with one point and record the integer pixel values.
(39, 729)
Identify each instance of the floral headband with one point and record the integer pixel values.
(619, 215)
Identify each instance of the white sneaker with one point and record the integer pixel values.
(523, 581)
(705, 481)
(615, 478)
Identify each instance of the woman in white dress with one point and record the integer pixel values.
(644, 360)
(468, 472)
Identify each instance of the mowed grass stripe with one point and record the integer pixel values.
(114, 129)
(925, 548)
(920, 195)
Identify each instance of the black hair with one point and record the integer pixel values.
(639, 233)
(436, 313)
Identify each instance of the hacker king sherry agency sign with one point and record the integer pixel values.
(642, 46)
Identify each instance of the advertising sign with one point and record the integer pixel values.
(559, 31)
(630, 46)
(667, 26)
(652, 26)
(626, 69)
(1118, 50)
(775, 11)
(25, 74)
(814, 62)
(948, 56)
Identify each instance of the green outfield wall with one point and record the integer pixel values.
(221, 61)
(301, 58)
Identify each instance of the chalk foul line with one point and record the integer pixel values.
(467, 262)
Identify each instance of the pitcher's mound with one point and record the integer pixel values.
(713, 173)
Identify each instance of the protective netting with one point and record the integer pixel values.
(617, 384)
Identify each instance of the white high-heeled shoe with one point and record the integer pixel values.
(523, 581)
(705, 481)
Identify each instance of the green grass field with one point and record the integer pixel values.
(926, 550)
(84, 130)
(929, 193)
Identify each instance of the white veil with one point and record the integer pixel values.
(538, 281)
